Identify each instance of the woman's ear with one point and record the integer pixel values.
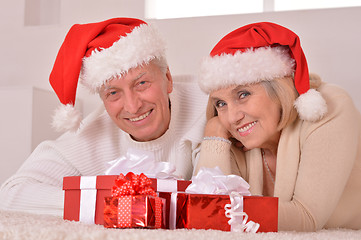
(211, 111)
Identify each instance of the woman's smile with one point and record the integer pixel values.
(246, 129)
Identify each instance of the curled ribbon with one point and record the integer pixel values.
(238, 218)
(132, 184)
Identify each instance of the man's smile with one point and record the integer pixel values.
(141, 117)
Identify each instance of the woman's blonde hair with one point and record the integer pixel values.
(283, 92)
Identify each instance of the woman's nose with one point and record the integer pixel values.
(235, 114)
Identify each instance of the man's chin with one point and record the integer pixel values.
(142, 137)
(145, 136)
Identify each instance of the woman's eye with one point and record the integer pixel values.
(243, 94)
(220, 104)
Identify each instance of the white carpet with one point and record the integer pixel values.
(15, 225)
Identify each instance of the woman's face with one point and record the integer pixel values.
(249, 114)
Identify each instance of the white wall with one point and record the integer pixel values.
(330, 39)
(25, 123)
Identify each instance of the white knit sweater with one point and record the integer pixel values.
(37, 185)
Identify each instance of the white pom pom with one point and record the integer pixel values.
(311, 106)
(66, 118)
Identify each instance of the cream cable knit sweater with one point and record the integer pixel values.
(37, 186)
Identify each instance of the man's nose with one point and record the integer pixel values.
(132, 103)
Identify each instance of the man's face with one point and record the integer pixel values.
(138, 102)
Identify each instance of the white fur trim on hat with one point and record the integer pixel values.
(311, 106)
(65, 118)
(137, 47)
(251, 66)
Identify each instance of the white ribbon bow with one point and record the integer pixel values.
(140, 161)
(213, 181)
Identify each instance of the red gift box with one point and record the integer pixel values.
(84, 195)
(206, 211)
(138, 211)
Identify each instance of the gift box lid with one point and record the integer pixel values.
(107, 181)
(88, 182)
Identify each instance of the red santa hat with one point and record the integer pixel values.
(262, 52)
(94, 53)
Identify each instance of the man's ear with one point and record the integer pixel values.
(170, 81)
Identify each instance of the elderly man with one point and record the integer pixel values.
(123, 60)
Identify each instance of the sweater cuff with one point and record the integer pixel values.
(218, 139)
(216, 146)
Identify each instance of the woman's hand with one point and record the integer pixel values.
(214, 128)
(238, 144)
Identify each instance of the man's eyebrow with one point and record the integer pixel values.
(110, 86)
(106, 87)
(139, 76)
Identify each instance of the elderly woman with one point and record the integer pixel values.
(288, 134)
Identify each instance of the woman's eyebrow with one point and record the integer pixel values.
(238, 88)
(214, 99)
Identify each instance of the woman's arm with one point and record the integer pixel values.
(215, 148)
(328, 152)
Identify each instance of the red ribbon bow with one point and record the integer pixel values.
(132, 184)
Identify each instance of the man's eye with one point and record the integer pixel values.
(142, 85)
(112, 95)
